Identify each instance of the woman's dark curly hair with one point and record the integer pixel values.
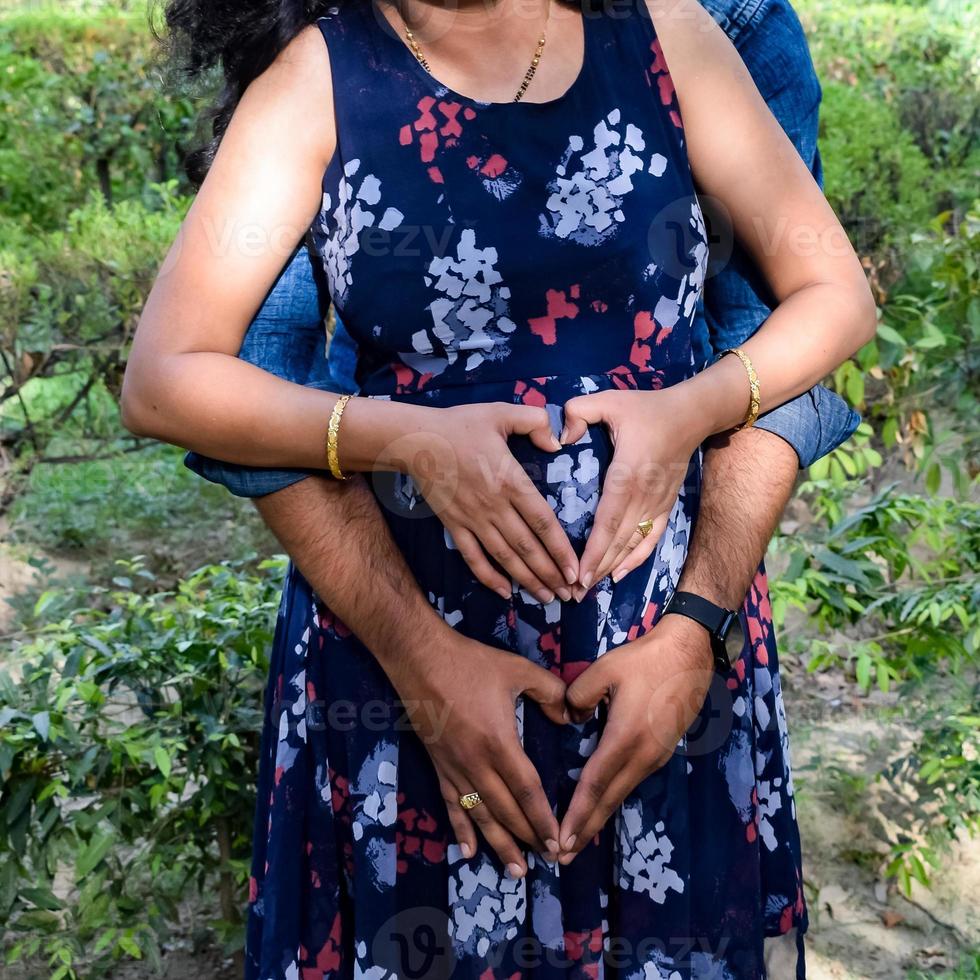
(238, 39)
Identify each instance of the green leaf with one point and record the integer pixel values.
(890, 334)
(162, 760)
(92, 854)
(43, 898)
(863, 671)
(42, 724)
(129, 945)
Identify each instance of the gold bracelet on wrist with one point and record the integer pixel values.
(755, 400)
(333, 432)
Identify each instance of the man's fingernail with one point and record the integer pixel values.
(586, 580)
(571, 576)
(466, 850)
(515, 871)
(566, 594)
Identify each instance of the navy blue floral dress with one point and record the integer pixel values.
(523, 253)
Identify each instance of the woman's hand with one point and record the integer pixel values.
(470, 731)
(464, 468)
(654, 433)
(655, 688)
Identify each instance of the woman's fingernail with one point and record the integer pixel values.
(565, 716)
(556, 443)
(617, 575)
(569, 843)
(504, 593)
(563, 436)
(466, 850)
(552, 846)
(545, 596)
(571, 576)
(515, 871)
(566, 595)
(586, 580)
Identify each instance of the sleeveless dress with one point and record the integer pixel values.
(526, 253)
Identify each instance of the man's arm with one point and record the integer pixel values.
(337, 537)
(774, 48)
(748, 478)
(657, 684)
(287, 338)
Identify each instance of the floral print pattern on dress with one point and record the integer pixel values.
(543, 252)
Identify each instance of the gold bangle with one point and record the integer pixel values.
(755, 400)
(333, 431)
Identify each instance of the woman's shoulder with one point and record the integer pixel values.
(703, 63)
(294, 95)
(692, 42)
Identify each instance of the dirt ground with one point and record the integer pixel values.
(861, 928)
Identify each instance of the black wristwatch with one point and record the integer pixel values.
(723, 626)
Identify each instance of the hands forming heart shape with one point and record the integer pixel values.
(503, 527)
(653, 688)
(507, 532)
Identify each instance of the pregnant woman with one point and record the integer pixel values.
(503, 198)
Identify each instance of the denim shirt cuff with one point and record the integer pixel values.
(814, 424)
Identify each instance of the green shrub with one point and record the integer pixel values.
(85, 104)
(69, 303)
(128, 752)
(894, 592)
(877, 179)
(919, 58)
(901, 119)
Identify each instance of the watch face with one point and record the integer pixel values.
(735, 640)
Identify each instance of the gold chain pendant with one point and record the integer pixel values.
(532, 70)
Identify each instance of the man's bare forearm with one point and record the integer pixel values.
(748, 479)
(336, 536)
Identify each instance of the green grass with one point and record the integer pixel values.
(144, 502)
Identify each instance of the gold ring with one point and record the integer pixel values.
(469, 801)
(645, 527)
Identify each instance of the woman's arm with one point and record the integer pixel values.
(185, 385)
(741, 157)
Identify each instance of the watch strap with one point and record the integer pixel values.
(715, 619)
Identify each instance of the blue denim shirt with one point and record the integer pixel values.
(288, 338)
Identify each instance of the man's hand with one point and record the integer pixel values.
(656, 685)
(470, 732)
(465, 692)
(654, 688)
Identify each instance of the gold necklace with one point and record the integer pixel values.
(528, 75)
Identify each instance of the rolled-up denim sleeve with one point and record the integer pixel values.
(737, 300)
(287, 338)
(814, 424)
